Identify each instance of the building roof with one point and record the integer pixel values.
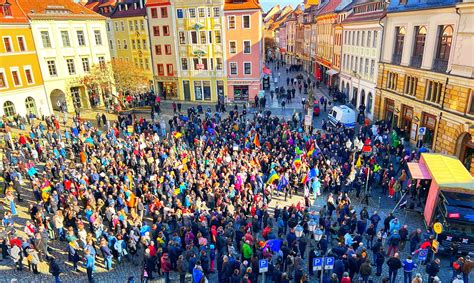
(365, 17)
(344, 6)
(17, 14)
(157, 2)
(241, 5)
(411, 5)
(56, 10)
(99, 6)
(329, 7)
(126, 9)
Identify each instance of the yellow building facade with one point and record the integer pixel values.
(131, 36)
(21, 84)
(200, 38)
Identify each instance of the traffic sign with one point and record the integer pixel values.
(438, 228)
(329, 263)
(423, 254)
(263, 265)
(421, 131)
(317, 263)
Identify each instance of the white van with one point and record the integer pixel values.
(344, 115)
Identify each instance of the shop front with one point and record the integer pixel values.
(167, 88)
(406, 122)
(390, 114)
(428, 121)
(243, 90)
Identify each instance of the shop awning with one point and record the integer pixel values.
(331, 72)
(267, 71)
(418, 171)
(448, 172)
(282, 50)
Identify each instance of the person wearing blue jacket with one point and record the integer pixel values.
(90, 266)
(408, 266)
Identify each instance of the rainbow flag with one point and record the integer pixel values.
(177, 135)
(273, 176)
(305, 179)
(297, 162)
(256, 140)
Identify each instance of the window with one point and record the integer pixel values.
(76, 96)
(233, 68)
(29, 76)
(184, 64)
(169, 69)
(202, 35)
(217, 35)
(143, 44)
(119, 44)
(360, 65)
(130, 25)
(204, 63)
(210, 37)
(101, 61)
(116, 26)
(358, 38)
(125, 44)
(246, 21)
(247, 68)
(470, 110)
(410, 85)
(16, 77)
(154, 13)
(182, 37)
(195, 63)
(136, 24)
(30, 105)
(193, 37)
(111, 45)
(161, 70)
(366, 67)
(85, 65)
(433, 91)
(98, 37)
(202, 13)
(231, 21)
(80, 38)
(164, 12)
(219, 64)
(52, 68)
(179, 13)
(142, 25)
(217, 12)
(420, 37)
(3, 80)
(65, 38)
(362, 43)
(192, 12)
(45, 39)
(246, 46)
(232, 47)
(70, 66)
(376, 33)
(166, 30)
(156, 31)
(8, 44)
(392, 79)
(445, 38)
(133, 44)
(369, 38)
(372, 68)
(158, 49)
(122, 26)
(141, 63)
(399, 40)
(9, 108)
(21, 43)
(7, 12)
(167, 49)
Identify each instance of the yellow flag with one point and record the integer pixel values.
(359, 162)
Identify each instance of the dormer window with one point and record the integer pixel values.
(6, 9)
(135, 5)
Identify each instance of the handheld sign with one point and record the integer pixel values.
(423, 254)
(438, 228)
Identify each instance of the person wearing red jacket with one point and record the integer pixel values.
(166, 266)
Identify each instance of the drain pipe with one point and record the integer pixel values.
(383, 65)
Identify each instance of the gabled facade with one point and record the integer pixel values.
(361, 39)
(161, 17)
(131, 35)
(21, 83)
(243, 29)
(106, 9)
(69, 39)
(425, 79)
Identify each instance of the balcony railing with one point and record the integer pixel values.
(416, 61)
(440, 65)
(396, 59)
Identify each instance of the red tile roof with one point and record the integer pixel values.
(329, 7)
(241, 5)
(374, 16)
(17, 14)
(53, 9)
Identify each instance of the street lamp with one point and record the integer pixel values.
(318, 234)
(298, 231)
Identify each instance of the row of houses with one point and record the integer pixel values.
(407, 62)
(199, 50)
(192, 50)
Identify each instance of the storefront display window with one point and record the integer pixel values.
(241, 93)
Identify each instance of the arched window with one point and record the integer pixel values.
(420, 37)
(362, 98)
(399, 40)
(445, 39)
(30, 105)
(370, 98)
(9, 108)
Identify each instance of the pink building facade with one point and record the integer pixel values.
(243, 36)
(282, 43)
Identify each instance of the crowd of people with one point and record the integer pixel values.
(201, 196)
